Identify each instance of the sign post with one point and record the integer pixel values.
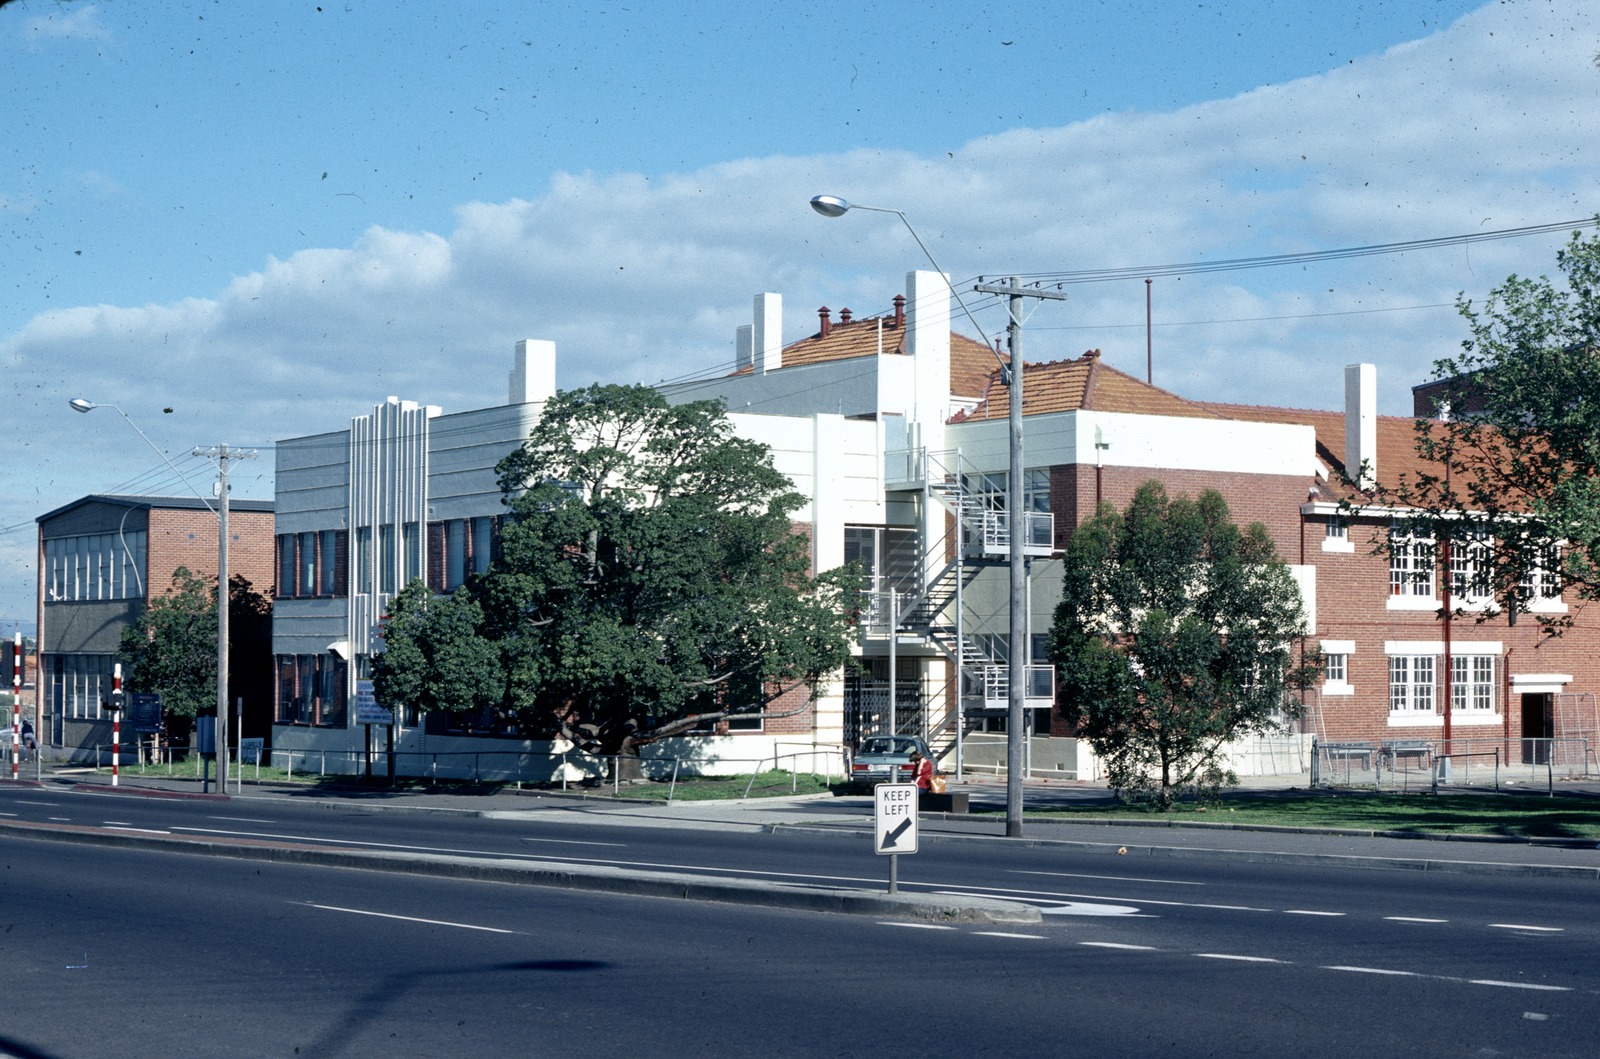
(369, 713)
(16, 702)
(894, 827)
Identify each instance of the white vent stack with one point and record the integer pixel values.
(1361, 424)
(767, 334)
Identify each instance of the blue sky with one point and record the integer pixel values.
(268, 217)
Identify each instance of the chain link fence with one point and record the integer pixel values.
(1430, 764)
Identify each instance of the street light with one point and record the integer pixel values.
(1016, 751)
(79, 404)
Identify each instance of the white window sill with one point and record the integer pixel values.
(1412, 603)
(1474, 718)
(1337, 687)
(1334, 544)
(1414, 719)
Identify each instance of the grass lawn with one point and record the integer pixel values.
(1522, 815)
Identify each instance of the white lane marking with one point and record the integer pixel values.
(1235, 956)
(1118, 945)
(60, 819)
(574, 842)
(139, 830)
(1107, 878)
(1044, 895)
(1083, 908)
(1524, 926)
(1413, 919)
(241, 819)
(8, 814)
(1375, 970)
(1007, 934)
(412, 919)
(913, 926)
(1536, 1016)
(1520, 985)
(1310, 912)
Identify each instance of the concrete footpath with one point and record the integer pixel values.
(849, 819)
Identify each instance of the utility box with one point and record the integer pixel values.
(205, 735)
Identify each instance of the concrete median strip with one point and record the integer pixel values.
(940, 908)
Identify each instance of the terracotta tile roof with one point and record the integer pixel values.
(971, 362)
(1397, 448)
(1085, 383)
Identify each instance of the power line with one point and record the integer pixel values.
(1249, 319)
(1102, 275)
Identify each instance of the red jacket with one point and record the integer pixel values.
(925, 775)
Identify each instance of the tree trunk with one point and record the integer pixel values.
(626, 763)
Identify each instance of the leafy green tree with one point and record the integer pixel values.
(649, 580)
(1174, 635)
(1515, 469)
(170, 650)
(434, 657)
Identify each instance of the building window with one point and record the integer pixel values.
(328, 563)
(308, 565)
(1411, 566)
(286, 565)
(311, 690)
(1472, 682)
(411, 541)
(1336, 668)
(992, 488)
(363, 563)
(455, 554)
(95, 567)
(82, 685)
(1541, 584)
(482, 544)
(1471, 560)
(386, 560)
(1336, 535)
(1411, 683)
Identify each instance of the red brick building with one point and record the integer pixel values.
(101, 559)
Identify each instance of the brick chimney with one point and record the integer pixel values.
(844, 316)
(826, 322)
(900, 310)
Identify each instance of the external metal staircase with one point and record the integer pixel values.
(977, 646)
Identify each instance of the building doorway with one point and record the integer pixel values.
(1538, 723)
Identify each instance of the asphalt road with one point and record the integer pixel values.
(110, 951)
(1225, 955)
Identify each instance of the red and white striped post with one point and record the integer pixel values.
(16, 703)
(116, 720)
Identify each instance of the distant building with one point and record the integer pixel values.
(102, 558)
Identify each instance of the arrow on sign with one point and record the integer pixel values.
(890, 838)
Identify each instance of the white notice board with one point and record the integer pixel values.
(895, 824)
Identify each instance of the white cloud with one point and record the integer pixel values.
(640, 277)
(66, 22)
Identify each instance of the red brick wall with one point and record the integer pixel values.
(1352, 593)
(1352, 597)
(189, 538)
(1271, 499)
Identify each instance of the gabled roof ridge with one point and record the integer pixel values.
(1224, 406)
